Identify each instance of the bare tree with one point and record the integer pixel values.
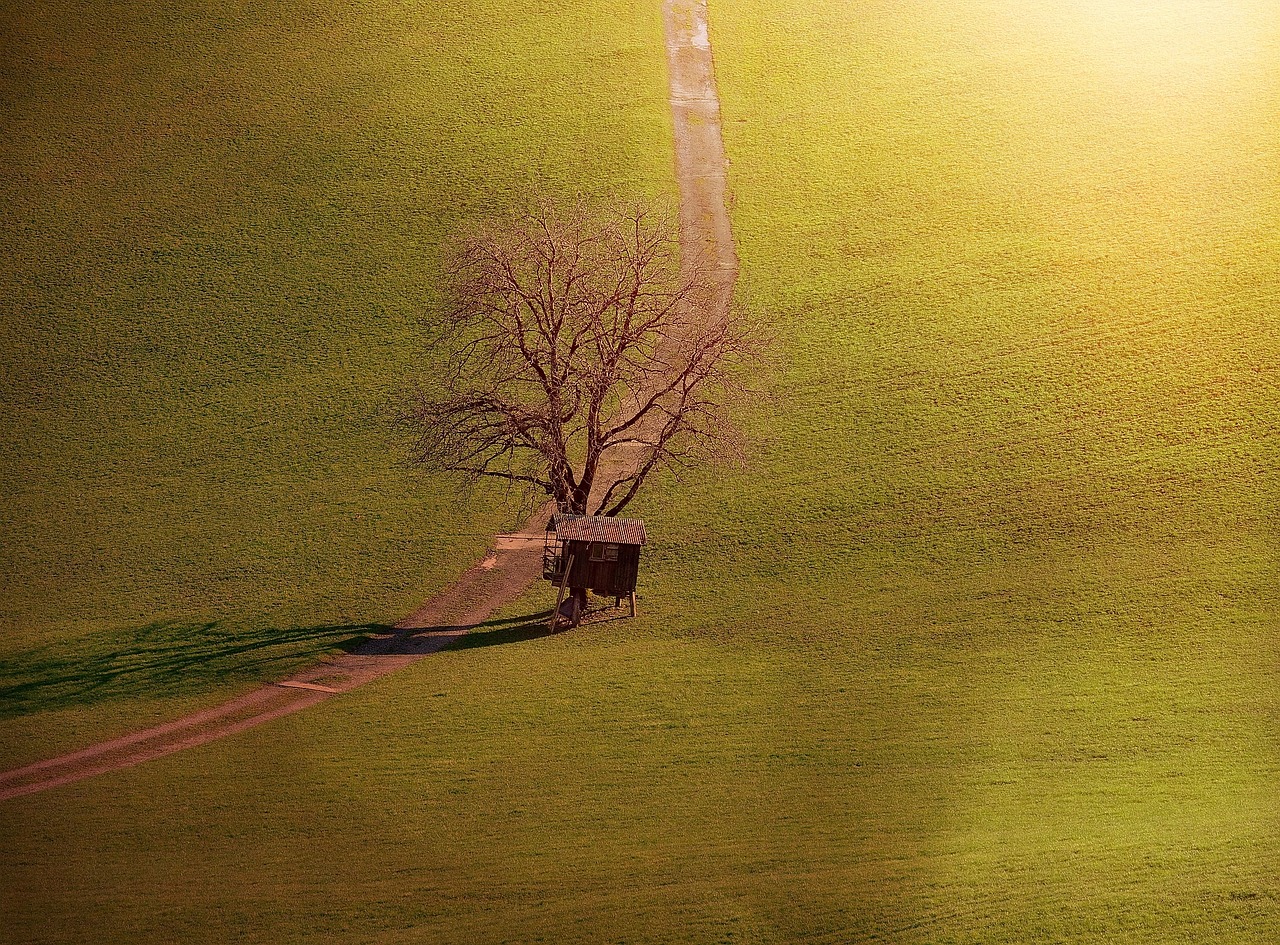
(582, 354)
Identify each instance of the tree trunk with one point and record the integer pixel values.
(580, 599)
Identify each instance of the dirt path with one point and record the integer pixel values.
(514, 562)
(701, 164)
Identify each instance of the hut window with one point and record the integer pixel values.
(604, 551)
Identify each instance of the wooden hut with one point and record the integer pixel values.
(593, 552)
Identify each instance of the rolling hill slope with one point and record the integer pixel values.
(982, 648)
(223, 227)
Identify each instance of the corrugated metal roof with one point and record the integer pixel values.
(621, 531)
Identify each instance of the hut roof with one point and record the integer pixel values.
(621, 531)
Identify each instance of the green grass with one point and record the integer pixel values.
(982, 649)
(629, 785)
(222, 228)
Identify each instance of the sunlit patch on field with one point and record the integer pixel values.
(1165, 45)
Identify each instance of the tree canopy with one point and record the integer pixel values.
(580, 353)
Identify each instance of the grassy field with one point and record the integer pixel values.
(982, 649)
(222, 228)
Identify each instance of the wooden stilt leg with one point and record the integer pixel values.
(555, 614)
(633, 603)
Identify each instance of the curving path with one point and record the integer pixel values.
(511, 566)
(515, 560)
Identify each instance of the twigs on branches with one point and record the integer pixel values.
(571, 336)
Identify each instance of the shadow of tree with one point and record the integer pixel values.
(162, 659)
(169, 658)
(508, 630)
(528, 627)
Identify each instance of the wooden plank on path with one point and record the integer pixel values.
(292, 684)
